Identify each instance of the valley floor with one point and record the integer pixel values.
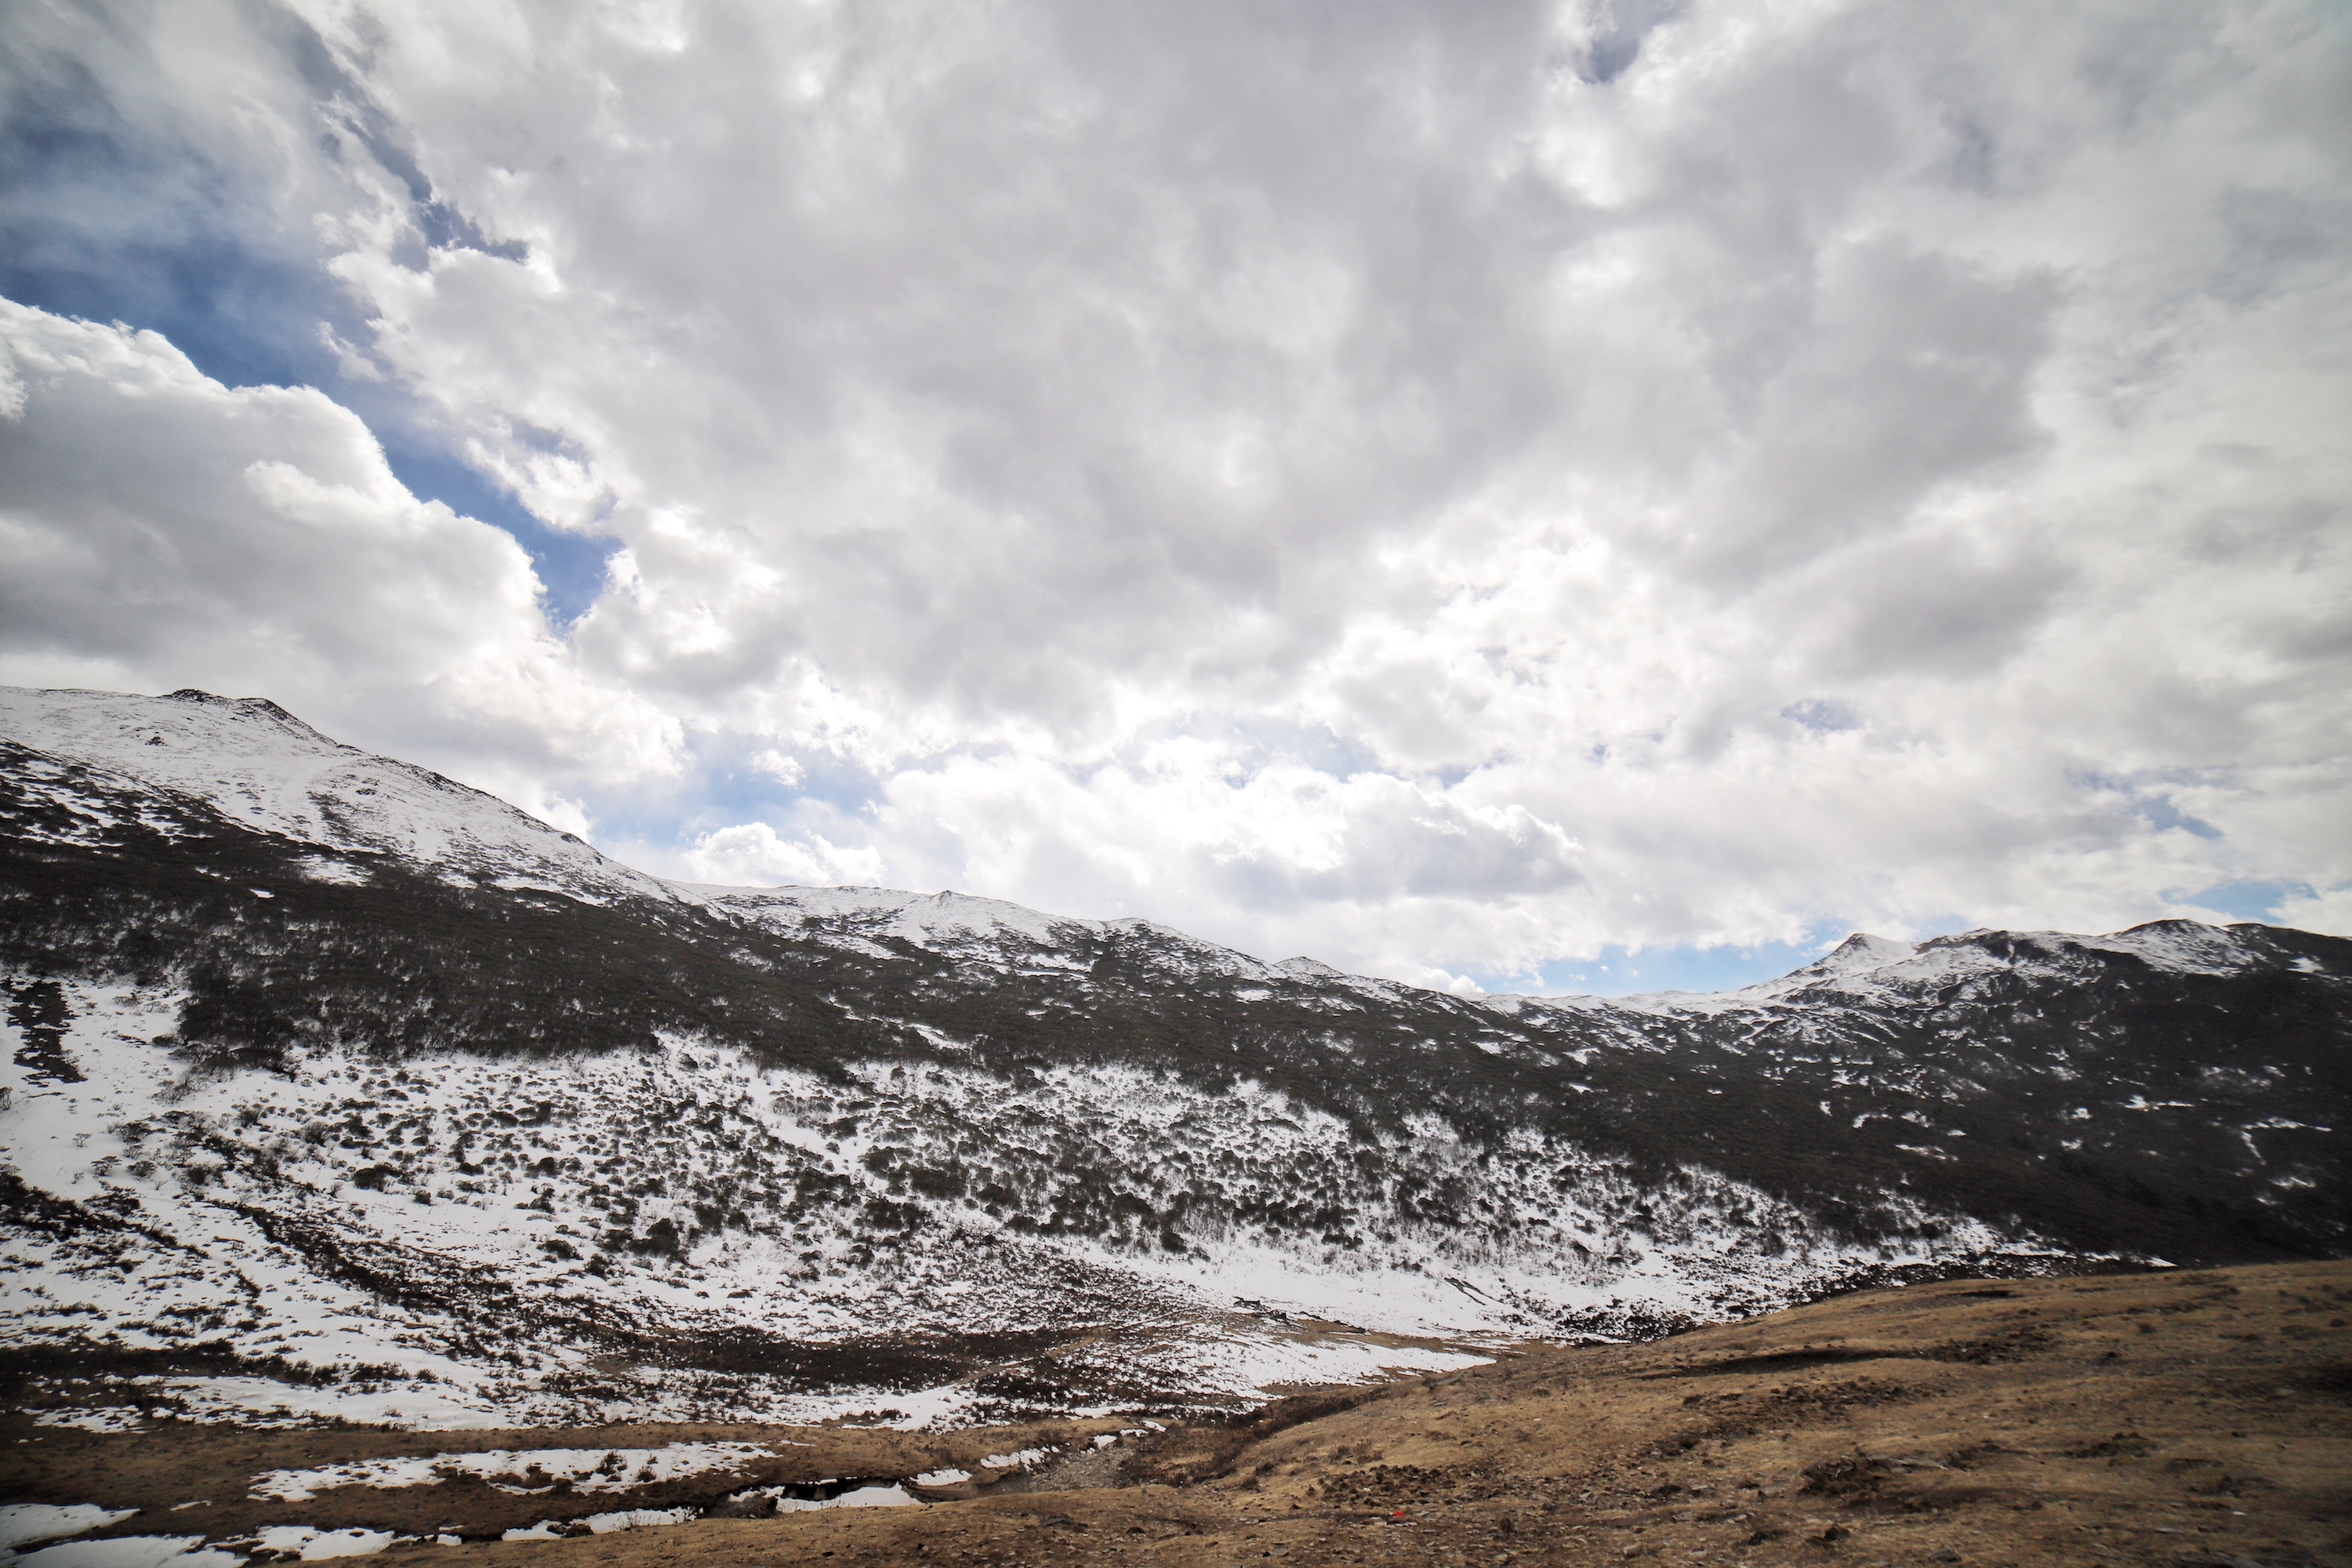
(2203, 1419)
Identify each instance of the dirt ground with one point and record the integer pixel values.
(2201, 1419)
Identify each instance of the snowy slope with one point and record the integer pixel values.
(247, 1214)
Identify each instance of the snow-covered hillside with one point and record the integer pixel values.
(449, 1238)
(336, 1084)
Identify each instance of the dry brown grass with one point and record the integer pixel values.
(2202, 1419)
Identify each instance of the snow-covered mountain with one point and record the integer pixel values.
(253, 763)
(337, 1085)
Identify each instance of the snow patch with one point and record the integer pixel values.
(130, 1552)
(24, 1523)
(309, 1545)
(517, 1472)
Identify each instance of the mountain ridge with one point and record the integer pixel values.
(1859, 953)
(808, 1148)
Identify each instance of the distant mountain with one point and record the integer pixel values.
(339, 1085)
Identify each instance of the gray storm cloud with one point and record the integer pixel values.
(1446, 490)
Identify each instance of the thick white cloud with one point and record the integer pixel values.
(1442, 490)
(753, 854)
(162, 531)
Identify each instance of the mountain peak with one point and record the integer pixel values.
(1864, 950)
(254, 764)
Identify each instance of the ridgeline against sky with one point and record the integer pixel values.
(1590, 496)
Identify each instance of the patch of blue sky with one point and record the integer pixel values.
(571, 566)
(2148, 799)
(1621, 972)
(2244, 900)
(2163, 815)
(724, 786)
(206, 268)
(1821, 716)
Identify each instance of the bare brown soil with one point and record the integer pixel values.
(2201, 1419)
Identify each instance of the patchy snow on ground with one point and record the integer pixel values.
(1019, 1459)
(519, 1472)
(639, 1519)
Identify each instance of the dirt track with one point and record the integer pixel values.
(2202, 1419)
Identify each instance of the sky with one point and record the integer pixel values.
(1597, 496)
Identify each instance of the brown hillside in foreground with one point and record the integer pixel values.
(2203, 1419)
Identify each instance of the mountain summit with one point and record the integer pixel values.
(336, 1084)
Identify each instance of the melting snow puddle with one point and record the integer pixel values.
(847, 1494)
(512, 1471)
(892, 1495)
(603, 1523)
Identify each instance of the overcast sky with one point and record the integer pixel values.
(1576, 497)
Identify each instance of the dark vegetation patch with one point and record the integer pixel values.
(2332, 1378)
(1735, 1416)
(28, 1207)
(1847, 1475)
(37, 1009)
(35, 1377)
(892, 1362)
(1385, 1485)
